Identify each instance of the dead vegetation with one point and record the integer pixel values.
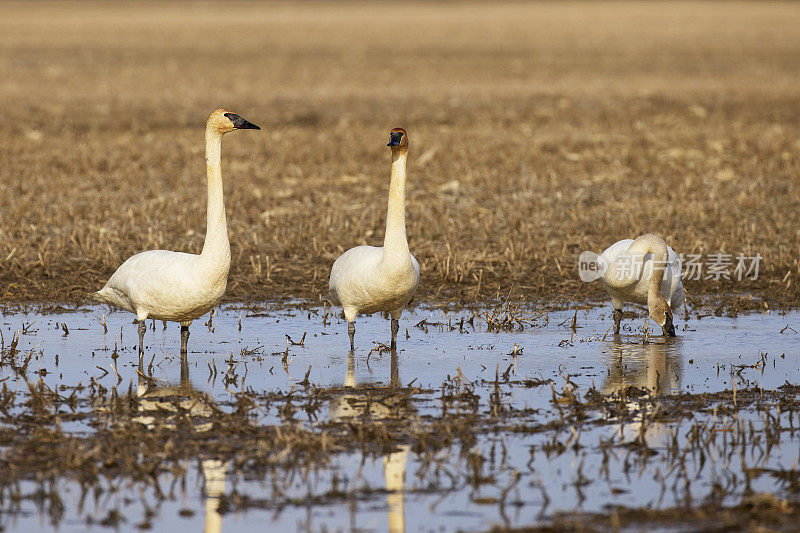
(461, 436)
(520, 448)
(539, 131)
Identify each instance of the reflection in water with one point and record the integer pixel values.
(156, 399)
(654, 367)
(357, 404)
(86, 424)
(394, 469)
(214, 485)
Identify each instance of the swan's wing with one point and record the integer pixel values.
(151, 271)
(116, 298)
(673, 283)
(414, 264)
(621, 269)
(351, 269)
(416, 268)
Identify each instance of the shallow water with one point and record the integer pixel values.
(505, 476)
(698, 360)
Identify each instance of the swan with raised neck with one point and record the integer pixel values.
(371, 279)
(178, 286)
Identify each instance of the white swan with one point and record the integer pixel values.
(177, 286)
(369, 279)
(644, 271)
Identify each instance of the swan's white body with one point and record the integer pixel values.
(366, 280)
(166, 285)
(370, 279)
(630, 268)
(176, 286)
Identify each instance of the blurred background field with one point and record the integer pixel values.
(538, 130)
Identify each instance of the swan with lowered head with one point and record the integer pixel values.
(177, 286)
(370, 279)
(645, 271)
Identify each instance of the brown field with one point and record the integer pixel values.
(537, 131)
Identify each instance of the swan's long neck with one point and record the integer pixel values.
(655, 245)
(216, 244)
(395, 244)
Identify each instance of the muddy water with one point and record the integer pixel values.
(508, 475)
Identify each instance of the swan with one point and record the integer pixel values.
(645, 271)
(369, 279)
(177, 286)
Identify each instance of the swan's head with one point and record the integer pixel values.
(661, 313)
(222, 121)
(398, 140)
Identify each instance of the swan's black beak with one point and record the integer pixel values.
(669, 327)
(239, 123)
(394, 138)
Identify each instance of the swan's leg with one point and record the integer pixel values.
(350, 315)
(616, 304)
(617, 320)
(351, 331)
(394, 376)
(184, 339)
(395, 329)
(185, 372)
(142, 329)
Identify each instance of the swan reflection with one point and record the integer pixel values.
(157, 399)
(360, 404)
(635, 368)
(655, 367)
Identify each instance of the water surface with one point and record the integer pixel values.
(530, 458)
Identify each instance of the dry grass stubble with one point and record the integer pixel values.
(537, 131)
